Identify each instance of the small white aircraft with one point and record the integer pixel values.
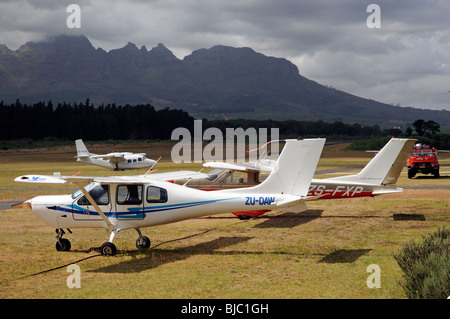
(378, 177)
(132, 202)
(115, 160)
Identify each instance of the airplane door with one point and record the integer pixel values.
(82, 209)
(129, 202)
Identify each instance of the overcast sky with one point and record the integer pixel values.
(405, 61)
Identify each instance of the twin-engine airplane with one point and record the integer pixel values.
(115, 160)
(125, 202)
(378, 177)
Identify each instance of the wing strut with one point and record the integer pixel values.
(91, 200)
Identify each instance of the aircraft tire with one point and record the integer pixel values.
(63, 245)
(143, 242)
(108, 249)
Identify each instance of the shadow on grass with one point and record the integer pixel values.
(419, 217)
(289, 220)
(153, 258)
(344, 256)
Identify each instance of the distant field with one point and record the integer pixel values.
(321, 253)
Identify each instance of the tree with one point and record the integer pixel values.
(418, 126)
(431, 127)
(408, 131)
(426, 128)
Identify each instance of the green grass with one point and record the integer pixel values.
(321, 253)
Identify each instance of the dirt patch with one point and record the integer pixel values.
(340, 150)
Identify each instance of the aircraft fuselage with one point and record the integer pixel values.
(322, 188)
(142, 205)
(131, 162)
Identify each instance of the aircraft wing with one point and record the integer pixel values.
(169, 176)
(40, 179)
(53, 179)
(242, 167)
(264, 166)
(112, 157)
(135, 179)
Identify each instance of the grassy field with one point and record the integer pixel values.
(321, 253)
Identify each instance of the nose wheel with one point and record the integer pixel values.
(62, 244)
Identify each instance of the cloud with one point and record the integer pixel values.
(403, 62)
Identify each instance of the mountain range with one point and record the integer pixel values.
(219, 81)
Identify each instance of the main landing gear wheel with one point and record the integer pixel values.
(143, 242)
(63, 245)
(108, 249)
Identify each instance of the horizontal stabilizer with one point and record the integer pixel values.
(289, 202)
(385, 167)
(387, 191)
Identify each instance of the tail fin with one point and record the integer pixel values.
(294, 168)
(386, 166)
(82, 151)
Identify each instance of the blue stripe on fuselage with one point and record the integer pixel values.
(136, 210)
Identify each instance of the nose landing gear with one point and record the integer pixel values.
(62, 244)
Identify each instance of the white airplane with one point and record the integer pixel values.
(115, 160)
(132, 202)
(378, 177)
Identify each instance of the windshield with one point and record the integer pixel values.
(100, 195)
(78, 192)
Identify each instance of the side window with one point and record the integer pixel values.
(100, 195)
(129, 194)
(156, 195)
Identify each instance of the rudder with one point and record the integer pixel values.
(294, 168)
(82, 151)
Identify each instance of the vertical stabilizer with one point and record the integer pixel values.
(385, 167)
(295, 168)
(82, 151)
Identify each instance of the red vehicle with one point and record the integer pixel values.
(423, 159)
